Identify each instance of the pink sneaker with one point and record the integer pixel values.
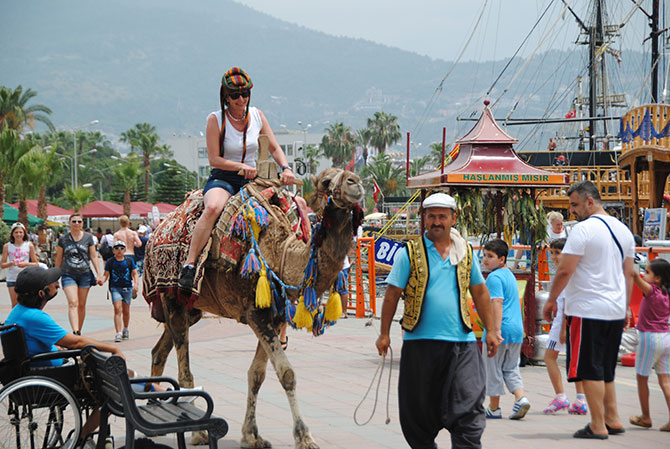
(578, 408)
(556, 405)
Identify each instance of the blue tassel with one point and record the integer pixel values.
(261, 214)
(311, 300)
(318, 325)
(251, 265)
(290, 313)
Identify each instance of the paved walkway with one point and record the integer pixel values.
(334, 372)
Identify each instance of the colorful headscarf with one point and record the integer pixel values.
(236, 79)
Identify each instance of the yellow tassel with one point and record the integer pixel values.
(255, 227)
(334, 307)
(263, 295)
(302, 316)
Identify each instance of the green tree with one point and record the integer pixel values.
(11, 150)
(15, 113)
(390, 178)
(126, 175)
(171, 185)
(144, 137)
(416, 165)
(32, 173)
(312, 154)
(384, 130)
(436, 153)
(338, 144)
(78, 197)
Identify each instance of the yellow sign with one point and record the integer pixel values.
(505, 178)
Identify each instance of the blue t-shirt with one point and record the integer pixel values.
(441, 311)
(120, 272)
(41, 331)
(502, 284)
(140, 250)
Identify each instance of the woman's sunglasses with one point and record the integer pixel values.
(236, 95)
(76, 221)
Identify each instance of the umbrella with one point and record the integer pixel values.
(11, 215)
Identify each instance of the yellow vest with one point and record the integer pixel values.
(417, 284)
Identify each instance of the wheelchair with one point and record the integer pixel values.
(41, 407)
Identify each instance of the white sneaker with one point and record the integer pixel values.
(520, 408)
(125, 334)
(189, 399)
(117, 337)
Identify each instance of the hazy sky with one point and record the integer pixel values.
(440, 28)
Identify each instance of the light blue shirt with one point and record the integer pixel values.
(40, 330)
(502, 284)
(441, 311)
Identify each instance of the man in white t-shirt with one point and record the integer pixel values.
(596, 276)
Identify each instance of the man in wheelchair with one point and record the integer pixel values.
(35, 286)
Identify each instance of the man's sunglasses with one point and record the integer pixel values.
(236, 95)
(76, 221)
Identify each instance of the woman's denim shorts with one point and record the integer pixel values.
(229, 181)
(81, 280)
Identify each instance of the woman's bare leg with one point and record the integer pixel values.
(72, 295)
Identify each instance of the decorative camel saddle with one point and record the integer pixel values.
(234, 246)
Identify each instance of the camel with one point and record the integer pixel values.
(226, 293)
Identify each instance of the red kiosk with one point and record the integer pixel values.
(487, 160)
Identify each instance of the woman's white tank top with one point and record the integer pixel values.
(233, 144)
(17, 253)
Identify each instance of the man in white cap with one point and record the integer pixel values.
(442, 379)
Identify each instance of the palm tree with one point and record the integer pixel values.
(11, 150)
(30, 177)
(364, 136)
(78, 197)
(144, 137)
(390, 178)
(416, 165)
(338, 144)
(313, 153)
(15, 112)
(384, 130)
(127, 175)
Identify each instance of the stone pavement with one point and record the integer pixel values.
(333, 374)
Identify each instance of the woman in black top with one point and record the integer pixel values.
(74, 254)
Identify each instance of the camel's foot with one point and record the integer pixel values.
(199, 438)
(306, 442)
(254, 441)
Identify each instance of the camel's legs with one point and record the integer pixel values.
(255, 378)
(177, 324)
(160, 352)
(269, 340)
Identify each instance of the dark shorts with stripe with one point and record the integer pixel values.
(593, 348)
(441, 386)
(227, 180)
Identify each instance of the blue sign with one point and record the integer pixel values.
(386, 250)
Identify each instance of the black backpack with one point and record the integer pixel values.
(106, 251)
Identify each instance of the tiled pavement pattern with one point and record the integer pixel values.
(333, 373)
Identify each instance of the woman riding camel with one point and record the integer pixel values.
(232, 143)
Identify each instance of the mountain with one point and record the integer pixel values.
(161, 61)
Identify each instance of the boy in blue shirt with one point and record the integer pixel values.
(504, 367)
(123, 285)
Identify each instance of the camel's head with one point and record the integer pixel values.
(343, 187)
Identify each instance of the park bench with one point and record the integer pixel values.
(162, 414)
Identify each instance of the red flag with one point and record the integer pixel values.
(571, 114)
(376, 192)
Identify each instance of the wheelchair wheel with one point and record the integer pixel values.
(38, 413)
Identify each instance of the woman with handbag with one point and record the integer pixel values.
(74, 254)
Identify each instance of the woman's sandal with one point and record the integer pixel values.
(636, 420)
(587, 433)
(284, 344)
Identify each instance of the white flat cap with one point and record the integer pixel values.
(439, 200)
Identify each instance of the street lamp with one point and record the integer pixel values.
(304, 128)
(74, 136)
(102, 176)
